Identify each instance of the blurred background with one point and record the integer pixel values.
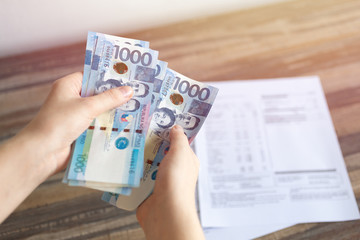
(213, 40)
(32, 25)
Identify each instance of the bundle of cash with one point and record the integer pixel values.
(121, 150)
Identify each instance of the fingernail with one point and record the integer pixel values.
(126, 91)
(178, 128)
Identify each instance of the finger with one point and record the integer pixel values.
(109, 99)
(178, 139)
(75, 80)
(69, 83)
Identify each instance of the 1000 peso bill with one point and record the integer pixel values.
(114, 62)
(121, 150)
(187, 104)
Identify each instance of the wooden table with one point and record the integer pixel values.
(304, 37)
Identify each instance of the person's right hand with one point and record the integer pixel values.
(170, 212)
(42, 148)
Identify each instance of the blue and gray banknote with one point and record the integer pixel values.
(121, 150)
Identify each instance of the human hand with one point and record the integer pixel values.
(43, 146)
(170, 212)
(65, 115)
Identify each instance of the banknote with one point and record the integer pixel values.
(122, 53)
(89, 54)
(139, 65)
(164, 79)
(111, 154)
(162, 83)
(90, 48)
(123, 64)
(102, 148)
(140, 78)
(91, 64)
(119, 164)
(187, 103)
(137, 196)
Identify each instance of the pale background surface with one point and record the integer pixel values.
(31, 25)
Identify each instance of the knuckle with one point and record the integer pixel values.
(76, 74)
(87, 102)
(114, 95)
(180, 137)
(57, 84)
(64, 81)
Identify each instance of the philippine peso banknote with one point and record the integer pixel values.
(101, 52)
(164, 79)
(187, 103)
(92, 59)
(111, 154)
(116, 59)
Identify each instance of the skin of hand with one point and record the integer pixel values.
(42, 148)
(170, 211)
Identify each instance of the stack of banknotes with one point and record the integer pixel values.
(121, 150)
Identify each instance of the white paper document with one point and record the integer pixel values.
(269, 156)
(242, 232)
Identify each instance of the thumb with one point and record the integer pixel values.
(178, 139)
(109, 99)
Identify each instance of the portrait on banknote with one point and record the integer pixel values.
(140, 89)
(102, 86)
(131, 106)
(187, 121)
(165, 118)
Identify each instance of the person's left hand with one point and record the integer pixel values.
(65, 115)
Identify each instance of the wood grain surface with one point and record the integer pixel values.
(298, 38)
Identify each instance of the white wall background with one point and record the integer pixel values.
(29, 25)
